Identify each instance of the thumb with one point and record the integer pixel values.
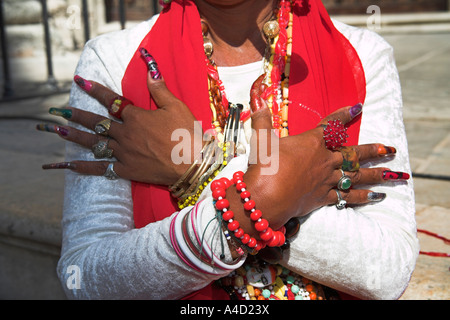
(263, 134)
(159, 92)
(155, 82)
(261, 116)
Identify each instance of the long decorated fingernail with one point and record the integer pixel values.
(62, 131)
(84, 84)
(151, 64)
(355, 110)
(60, 165)
(385, 150)
(46, 127)
(65, 113)
(376, 196)
(395, 175)
(54, 129)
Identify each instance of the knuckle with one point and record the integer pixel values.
(355, 176)
(373, 150)
(358, 152)
(331, 197)
(100, 167)
(346, 195)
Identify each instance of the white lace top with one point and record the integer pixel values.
(368, 252)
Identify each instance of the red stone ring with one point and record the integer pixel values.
(335, 134)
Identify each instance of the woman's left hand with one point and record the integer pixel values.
(142, 142)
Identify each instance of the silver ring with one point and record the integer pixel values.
(101, 150)
(110, 174)
(341, 202)
(344, 182)
(102, 127)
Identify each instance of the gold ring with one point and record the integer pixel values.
(102, 127)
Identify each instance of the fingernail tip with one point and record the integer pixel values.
(143, 51)
(356, 110)
(60, 165)
(84, 84)
(376, 196)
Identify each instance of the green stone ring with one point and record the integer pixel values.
(344, 182)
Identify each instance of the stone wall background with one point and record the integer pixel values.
(25, 31)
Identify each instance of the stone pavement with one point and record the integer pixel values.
(423, 61)
(31, 199)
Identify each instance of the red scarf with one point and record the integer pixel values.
(326, 74)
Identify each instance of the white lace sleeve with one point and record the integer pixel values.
(369, 251)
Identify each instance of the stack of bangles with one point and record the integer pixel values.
(192, 178)
(215, 155)
(195, 247)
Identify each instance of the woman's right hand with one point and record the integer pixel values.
(307, 173)
(143, 143)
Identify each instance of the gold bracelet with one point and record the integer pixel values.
(189, 179)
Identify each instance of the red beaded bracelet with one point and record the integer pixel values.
(268, 236)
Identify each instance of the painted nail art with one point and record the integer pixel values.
(59, 165)
(395, 175)
(385, 150)
(47, 127)
(65, 113)
(355, 110)
(376, 196)
(84, 84)
(52, 128)
(151, 64)
(62, 131)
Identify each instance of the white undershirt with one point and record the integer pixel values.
(238, 81)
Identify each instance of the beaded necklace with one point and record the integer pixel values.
(226, 117)
(278, 33)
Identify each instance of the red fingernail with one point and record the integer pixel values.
(395, 175)
(84, 84)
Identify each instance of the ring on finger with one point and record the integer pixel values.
(102, 127)
(101, 150)
(350, 159)
(117, 105)
(334, 134)
(345, 182)
(110, 174)
(341, 203)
